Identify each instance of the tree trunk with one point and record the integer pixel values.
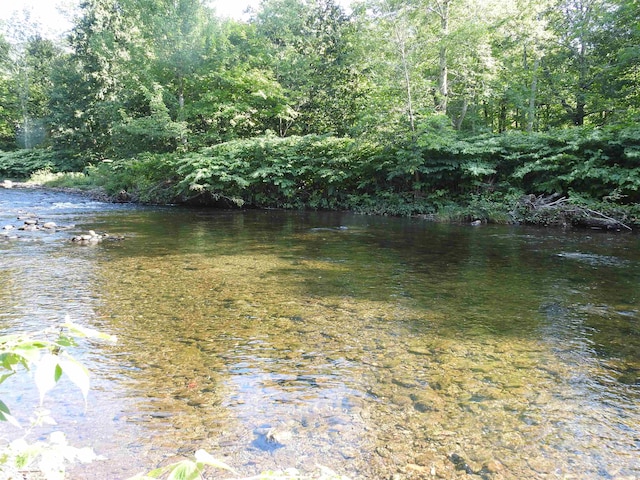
(183, 137)
(502, 117)
(531, 113)
(180, 97)
(407, 79)
(442, 98)
(583, 86)
(443, 81)
(463, 113)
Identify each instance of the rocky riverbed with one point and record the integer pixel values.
(389, 349)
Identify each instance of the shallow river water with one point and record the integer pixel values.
(381, 348)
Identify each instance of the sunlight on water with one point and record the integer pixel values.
(374, 346)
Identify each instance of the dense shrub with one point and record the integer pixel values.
(601, 163)
(460, 177)
(294, 172)
(147, 178)
(20, 164)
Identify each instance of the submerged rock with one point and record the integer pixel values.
(278, 435)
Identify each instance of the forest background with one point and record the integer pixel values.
(496, 110)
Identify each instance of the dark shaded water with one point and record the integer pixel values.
(374, 346)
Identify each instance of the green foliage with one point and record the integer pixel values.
(186, 469)
(20, 164)
(237, 103)
(155, 132)
(458, 176)
(146, 178)
(294, 172)
(598, 162)
(194, 470)
(72, 180)
(311, 43)
(185, 104)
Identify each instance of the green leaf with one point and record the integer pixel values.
(80, 331)
(77, 373)
(29, 351)
(58, 373)
(157, 473)
(3, 407)
(185, 470)
(65, 341)
(204, 457)
(45, 376)
(5, 376)
(5, 415)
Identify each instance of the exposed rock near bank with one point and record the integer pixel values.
(32, 223)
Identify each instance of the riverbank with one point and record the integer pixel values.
(97, 193)
(566, 177)
(542, 210)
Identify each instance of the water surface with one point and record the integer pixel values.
(374, 346)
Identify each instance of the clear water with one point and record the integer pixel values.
(373, 346)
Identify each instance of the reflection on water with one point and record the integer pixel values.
(374, 346)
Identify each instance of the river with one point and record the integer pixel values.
(377, 347)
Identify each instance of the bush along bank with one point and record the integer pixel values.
(580, 176)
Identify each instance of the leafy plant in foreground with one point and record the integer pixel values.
(186, 469)
(45, 353)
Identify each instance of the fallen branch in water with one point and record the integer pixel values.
(556, 210)
(618, 222)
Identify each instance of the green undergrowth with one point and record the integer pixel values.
(439, 174)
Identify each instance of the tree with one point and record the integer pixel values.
(580, 64)
(26, 62)
(95, 80)
(39, 58)
(311, 42)
(155, 132)
(442, 10)
(177, 32)
(393, 59)
(622, 43)
(234, 93)
(519, 41)
(7, 135)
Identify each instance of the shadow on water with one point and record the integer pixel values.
(375, 346)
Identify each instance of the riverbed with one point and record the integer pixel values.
(377, 347)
